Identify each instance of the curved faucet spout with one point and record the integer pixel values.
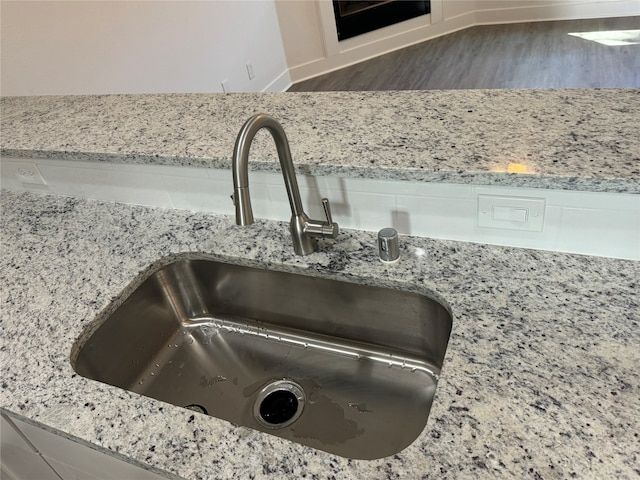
(244, 213)
(303, 230)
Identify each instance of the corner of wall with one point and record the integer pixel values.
(280, 84)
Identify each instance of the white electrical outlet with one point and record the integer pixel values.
(29, 174)
(250, 71)
(511, 212)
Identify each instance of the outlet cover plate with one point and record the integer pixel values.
(511, 212)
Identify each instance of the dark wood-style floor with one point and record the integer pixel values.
(524, 55)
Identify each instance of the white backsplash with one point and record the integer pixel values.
(602, 224)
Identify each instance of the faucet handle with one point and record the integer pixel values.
(319, 228)
(327, 211)
(330, 228)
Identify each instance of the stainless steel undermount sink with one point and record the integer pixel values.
(346, 368)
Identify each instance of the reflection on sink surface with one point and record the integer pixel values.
(345, 368)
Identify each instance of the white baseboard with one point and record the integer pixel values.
(280, 84)
(558, 11)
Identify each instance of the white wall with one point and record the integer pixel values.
(178, 46)
(96, 47)
(511, 11)
(301, 31)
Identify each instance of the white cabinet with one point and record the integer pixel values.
(30, 448)
(18, 458)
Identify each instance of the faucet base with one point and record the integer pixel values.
(303, 244)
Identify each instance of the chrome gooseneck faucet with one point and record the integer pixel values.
(304, 231)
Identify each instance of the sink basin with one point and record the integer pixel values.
(346, 368)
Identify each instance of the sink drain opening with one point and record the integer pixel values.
(279, 404)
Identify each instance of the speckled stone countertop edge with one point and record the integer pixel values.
(500, 179)
(572, 139)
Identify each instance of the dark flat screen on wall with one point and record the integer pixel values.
(358, 17)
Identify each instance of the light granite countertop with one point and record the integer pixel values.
(584, 139)
(540, 379)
